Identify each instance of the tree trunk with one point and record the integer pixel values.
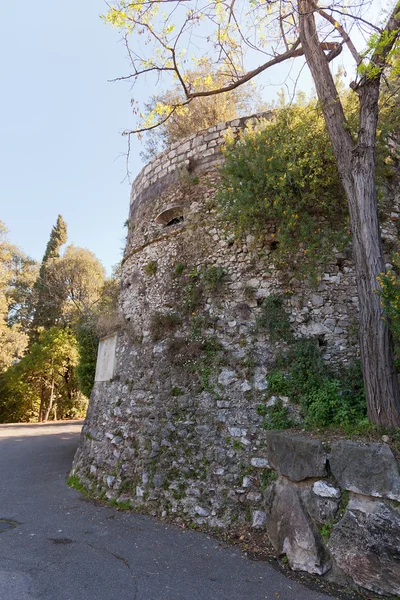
(376, 345)
(41, 407)
(51, 400)
(356, 166)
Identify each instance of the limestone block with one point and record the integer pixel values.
(294, 456)
(322, 509)
(325, 490)
(259, 519)
(292, 532)
(368, 469)
(202, 512)
(110, 481)
(106, 358)
(259, 463)
(365, 545)
(226, 377)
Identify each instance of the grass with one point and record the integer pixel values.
(74, 482)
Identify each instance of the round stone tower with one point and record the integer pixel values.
(172, 426)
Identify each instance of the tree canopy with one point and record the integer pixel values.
(201, 113)
(17, 275)
(50, 321)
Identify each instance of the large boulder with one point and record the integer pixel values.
(292, 532)
(366, 545)
(294, 456)
(368, 469)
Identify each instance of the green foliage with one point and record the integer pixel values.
(267, 477)
(179, 268)
(86, 369)
(17, 275)
(177, 391)
(325, 530)
(192, 293)
(283, 174)
(275, 319)
(43, 381)
(162, 324)
(47, 310)
(151, 268)
(237, 445)
(74, 482)
(277, 417)
(389, 292)
(278, 382)
(326, 398)
(75, 283)
(214, 278)
(124, 504)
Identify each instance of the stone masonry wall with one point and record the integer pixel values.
(175, 431)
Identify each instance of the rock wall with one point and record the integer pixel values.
(174, 429)
(334, 510)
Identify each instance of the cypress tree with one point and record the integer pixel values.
(48, 310)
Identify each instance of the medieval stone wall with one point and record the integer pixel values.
(175, 431)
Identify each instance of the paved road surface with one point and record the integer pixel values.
(66, 548)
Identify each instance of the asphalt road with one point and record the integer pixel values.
(63, 547)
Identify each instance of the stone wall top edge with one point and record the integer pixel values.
(171, 158)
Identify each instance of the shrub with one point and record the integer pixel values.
(326, 398)
(163, 323)
(278, 417)
(192, 295)
(275, 319)
(282, 173)
(214, 278)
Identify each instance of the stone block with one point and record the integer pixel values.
(259, 463)
(368, 469)
(226, 377)
(106, 358)
(294, 456)
(259, 519)
(365, 545)
(292, 532)
(326, 490)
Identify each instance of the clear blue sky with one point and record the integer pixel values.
(61, 147)
(60, 126)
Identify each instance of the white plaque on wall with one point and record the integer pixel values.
(106, 358)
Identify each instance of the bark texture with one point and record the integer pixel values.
(356, 166)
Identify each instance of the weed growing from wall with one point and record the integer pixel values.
(275, 319)
(151, 268)
(179, 268)
(326, 399)
(162, 324)
(214, 279)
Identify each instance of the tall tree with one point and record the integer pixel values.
(283, 30)
(74, 283)
(47, 312)
(42, 383)
(13, 338)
